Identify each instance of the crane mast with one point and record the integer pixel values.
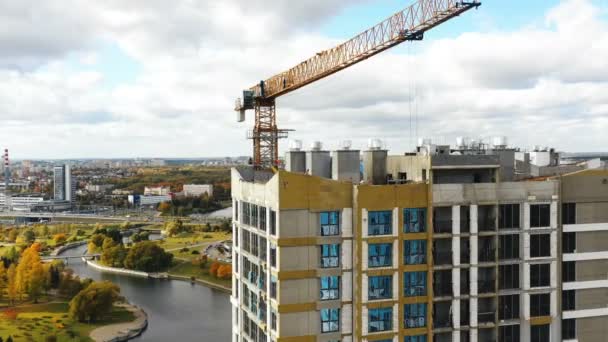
(409, 24)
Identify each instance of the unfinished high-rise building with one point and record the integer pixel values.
(464, 243)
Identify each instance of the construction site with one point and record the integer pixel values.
(471, 241)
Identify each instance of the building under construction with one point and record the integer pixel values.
(472, 242)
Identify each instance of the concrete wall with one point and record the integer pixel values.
(591, 242)
(592, 329)
(412, 165)
(448, 194)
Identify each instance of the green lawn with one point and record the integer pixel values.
(186, 269)
(35, 322)
(183, 240)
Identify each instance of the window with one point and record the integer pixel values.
(540, 215)
(540, 333)
(330, 223)
(568, 242)
(330, 320)
(246, 213)
(330, 288)
(330, 256)
(540, 275)
(273, 222)
(254, 215)
(246, 240)
(569, 271)
(540, 305)
(380, 223)
(418, 338)
(508, 247)
(568, 329)
(236, 211)
(569, 300)
(273, 287)
(380, 255)
(273, 255)
(508, 277)
(414, 220)
(262, 218)
(569, 213)
(540, 245)
(508, 307)
(380, 320)
(380, 287)
(415, 315)
(508, 216)
(414, 284)
(414, 252)
(509, 333)
(273, 319)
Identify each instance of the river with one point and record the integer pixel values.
(178, 311)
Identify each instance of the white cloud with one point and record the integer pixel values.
(539, 85)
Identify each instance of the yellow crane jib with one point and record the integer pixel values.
(409, 24)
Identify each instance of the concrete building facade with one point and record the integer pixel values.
(429, 247)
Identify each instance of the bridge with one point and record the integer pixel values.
(65, 257)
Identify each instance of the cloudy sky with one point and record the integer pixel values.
(157, 78)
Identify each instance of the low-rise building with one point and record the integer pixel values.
(156, 191)
(195, 190)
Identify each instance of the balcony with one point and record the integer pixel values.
(442, 283)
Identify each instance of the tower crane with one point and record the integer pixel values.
(409, 24)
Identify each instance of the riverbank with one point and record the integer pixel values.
(123, 331)
(222, 288)
(123, 270)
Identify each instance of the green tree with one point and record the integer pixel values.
(108, 243)
(148, 257)
(94, 302)
(29, 236)
(114, 256)
(95, 243)
(36, 282)
(11, 254)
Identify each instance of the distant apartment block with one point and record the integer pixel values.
(443, 244)
(196, 190)
(64, 188)
(138, 200)
(98, 187)
(157, 191)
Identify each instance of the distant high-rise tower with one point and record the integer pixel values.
(7, 172)
(64, 188)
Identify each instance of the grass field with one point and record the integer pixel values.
(188, 239)
(36, 322)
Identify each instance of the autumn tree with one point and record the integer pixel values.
(94, 302)
(224, 272)
(214, 268)
(36, 282)
(30, 275)
(59, 238)
(11, 288)
(2, 278)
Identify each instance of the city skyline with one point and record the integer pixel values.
(116, 80)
